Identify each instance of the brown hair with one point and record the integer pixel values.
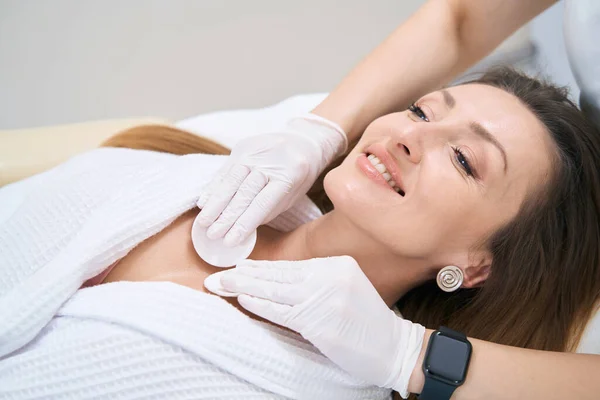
(165, 139)
(545, 278)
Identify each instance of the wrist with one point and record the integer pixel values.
(344, 117)
(327, 135)
(408, 340)
(417, 378)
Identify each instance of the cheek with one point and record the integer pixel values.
(432, 214)
(392, 224)
(453, 214)
(441, 214)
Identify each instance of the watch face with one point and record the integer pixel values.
(448, 358)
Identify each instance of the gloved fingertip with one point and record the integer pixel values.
(229, 282)
(232, 239)
(250, 303)
(213, 232)
(202, 221)
(244, 300)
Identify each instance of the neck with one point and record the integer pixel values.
(330, 236)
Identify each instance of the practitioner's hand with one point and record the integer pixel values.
(266, 174)
(331, 303)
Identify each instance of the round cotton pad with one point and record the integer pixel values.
(213, 283)
(215, 252)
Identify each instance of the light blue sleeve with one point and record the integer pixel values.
(582, 33)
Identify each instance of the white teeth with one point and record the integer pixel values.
(380, 168)
(383, 171)
(374, 160)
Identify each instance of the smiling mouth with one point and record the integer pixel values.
(384, 173)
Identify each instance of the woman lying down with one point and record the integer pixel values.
(101, 291)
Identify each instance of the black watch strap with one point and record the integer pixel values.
(452, 333)
(436, 390)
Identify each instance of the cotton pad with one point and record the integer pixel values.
(215, 252)
(213, 283)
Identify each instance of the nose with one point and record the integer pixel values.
(409, 142)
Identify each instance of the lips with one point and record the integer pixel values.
(381, 172)
(389, 162)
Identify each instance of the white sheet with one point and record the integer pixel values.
(228, 127)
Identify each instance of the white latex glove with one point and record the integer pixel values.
(266, 174)
(331, 303)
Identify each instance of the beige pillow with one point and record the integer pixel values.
(25, 152)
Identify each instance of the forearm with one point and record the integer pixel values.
(419, 55)
(500, 372)
(441, 40)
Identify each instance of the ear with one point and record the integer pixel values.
(476, 273)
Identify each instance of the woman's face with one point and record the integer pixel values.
(462, 162)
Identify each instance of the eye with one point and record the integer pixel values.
(462, 160)
(418, 111)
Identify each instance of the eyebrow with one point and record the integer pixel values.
(477, 128)
(448, 99)
(483, 133)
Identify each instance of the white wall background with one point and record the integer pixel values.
(67, 61)
(76, 60)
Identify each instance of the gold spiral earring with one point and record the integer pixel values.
(450, 278)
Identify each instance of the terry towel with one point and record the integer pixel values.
(134, 340)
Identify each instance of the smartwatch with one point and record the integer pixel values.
(445, 364)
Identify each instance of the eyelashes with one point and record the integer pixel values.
(462, 160)
(418, 111)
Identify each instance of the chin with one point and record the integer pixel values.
(355, 199)
(342, 189)
(376, 216)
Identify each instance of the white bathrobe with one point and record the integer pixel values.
(133, 340)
